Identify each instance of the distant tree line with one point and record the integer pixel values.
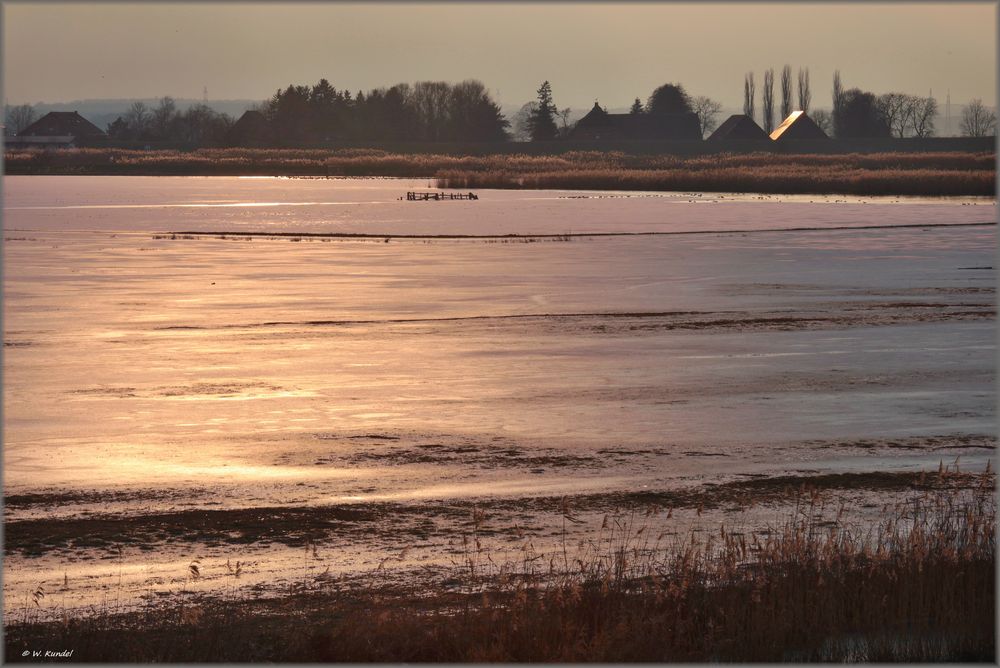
(436, 111)
(427, 111)
(861, 114)
(768, 121)
(198, 125)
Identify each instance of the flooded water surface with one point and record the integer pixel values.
(181, 382)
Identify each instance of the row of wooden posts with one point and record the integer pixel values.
(424, 197)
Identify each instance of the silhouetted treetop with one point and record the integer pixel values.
(669, 99)
(427, 111)
(859, 116)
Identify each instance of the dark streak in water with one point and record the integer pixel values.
(583, 235)
(736, 319)
(403, 321)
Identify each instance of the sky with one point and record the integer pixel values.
(60, 52)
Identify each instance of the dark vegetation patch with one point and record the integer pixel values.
(467, 454)
(944, 442)
(744, 493)
(825, 316)
(199, 389)
(222, 389)
(298, 526)
(288, 526)
(55, 499)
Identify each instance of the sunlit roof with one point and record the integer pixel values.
(785, 124)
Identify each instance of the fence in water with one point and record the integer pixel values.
(424, 197)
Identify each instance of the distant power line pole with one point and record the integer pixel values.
(947, 114)
(204, 93)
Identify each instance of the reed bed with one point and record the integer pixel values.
(917, 585)
(932, 173)
(791, 179)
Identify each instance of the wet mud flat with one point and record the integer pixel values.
(640, 565)
(90, 559)
(407, 522)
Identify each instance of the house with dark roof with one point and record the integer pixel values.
(252, 129)
(797, 126)
(58, 129)
(598, 124)
(738, 127)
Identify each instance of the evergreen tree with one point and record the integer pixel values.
(636, 107)
(291, 115)
(323, 101)
(543, 117)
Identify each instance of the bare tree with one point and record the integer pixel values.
(896, 109)
(977, 120)
(838, 104)
(430, 101)
(18, 118)
(805, 97)
(521, 122)
(137, 119)
(824, 119)
(922, 113)
(564, 119)
(786, 91)
(707, 110)
(767, 101)
(749, 94)
(162, 115)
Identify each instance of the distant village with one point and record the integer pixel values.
(465, 113)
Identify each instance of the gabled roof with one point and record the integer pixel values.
(798, 126)
(251, 118)
(738, 127)
(61, 123)
(252, 128)
(638, 126)
(596, 116)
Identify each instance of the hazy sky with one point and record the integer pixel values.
(68, 51)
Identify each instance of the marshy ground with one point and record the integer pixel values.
(913, 584)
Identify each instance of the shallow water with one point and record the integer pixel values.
(146, 374)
